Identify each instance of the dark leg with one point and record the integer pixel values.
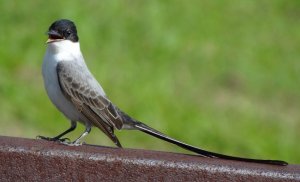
(78, 142)
(58, 137)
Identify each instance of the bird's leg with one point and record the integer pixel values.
(58, 137)
(78, 142)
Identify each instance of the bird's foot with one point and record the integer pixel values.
(75, 143)
(54, 139)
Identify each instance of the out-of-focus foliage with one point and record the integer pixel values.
(221, 75)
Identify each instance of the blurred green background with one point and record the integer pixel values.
(221, 75)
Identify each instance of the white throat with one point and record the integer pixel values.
(64, 50)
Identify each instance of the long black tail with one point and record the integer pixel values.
(146, 129)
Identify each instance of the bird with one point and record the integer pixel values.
(76, 93)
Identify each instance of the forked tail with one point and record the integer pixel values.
(146, 129)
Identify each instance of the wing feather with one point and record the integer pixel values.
(81, 88)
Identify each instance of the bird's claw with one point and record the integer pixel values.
(54, 139)
(64, 140)
(75, 143)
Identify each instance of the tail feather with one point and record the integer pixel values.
(146, 129)
(130, 123)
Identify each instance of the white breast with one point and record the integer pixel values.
(51, 83)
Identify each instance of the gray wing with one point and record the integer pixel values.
(83, 90)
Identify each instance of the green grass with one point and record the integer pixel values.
(224, 76)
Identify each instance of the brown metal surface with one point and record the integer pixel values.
(37, 160)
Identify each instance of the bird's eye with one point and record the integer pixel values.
(68, 32)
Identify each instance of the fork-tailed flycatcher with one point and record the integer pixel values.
(77, 94)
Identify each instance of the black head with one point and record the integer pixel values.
(62, 30)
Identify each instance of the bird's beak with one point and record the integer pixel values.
(50, 40)
(54, 36)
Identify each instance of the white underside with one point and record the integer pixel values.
(60, 51)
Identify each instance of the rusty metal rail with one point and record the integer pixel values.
(37, 160)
